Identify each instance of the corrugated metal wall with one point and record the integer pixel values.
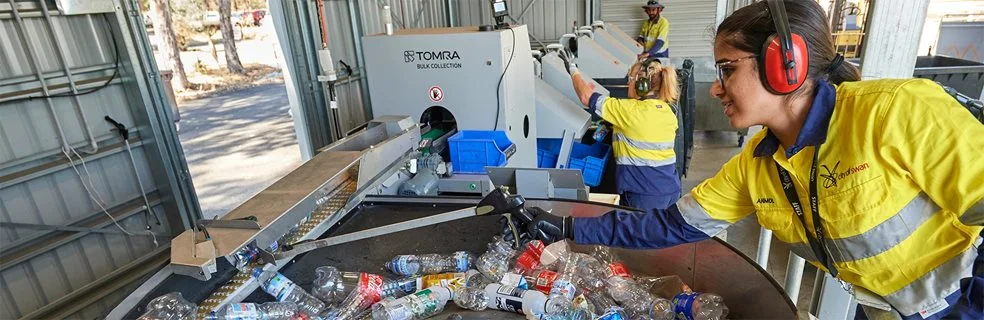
(43, 142)
(547, 20)
(691, 23)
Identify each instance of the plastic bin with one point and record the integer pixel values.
(472, 151)
(590, 159)
(964, 75)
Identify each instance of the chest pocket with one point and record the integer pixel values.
(856, 209)
(782, 221)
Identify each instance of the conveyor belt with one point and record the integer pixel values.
(326, 210)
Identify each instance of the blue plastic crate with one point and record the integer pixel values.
(590, 159)
(472, 151)
(546, 152)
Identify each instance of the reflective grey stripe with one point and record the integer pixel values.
(885, 235)
(975, 215)
(600, 105)
(643, 145)
(803, 250)
(935, 285)
(695, 215)
(640, 162)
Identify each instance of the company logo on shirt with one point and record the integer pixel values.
(765, 201)
(832, 176)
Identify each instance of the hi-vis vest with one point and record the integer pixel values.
(656, 34)
(643, 137)
(901, 183)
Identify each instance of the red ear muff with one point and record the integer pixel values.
(783, 76)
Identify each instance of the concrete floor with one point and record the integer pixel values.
(236, 144)
(711, 151)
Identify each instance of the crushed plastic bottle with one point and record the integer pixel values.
(601, 132)
(171, 306)
(245, 311)
(699, 306)
(412, 265)
(246, 256)
(284, 290)
(613, 265)
(542, 280)
(419, 305)
(563, 290)
(495, 262)
(604, 306)
(332, 285)
(637, 301)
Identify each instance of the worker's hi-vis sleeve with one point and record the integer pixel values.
(940, 145)
(609, 109)
(659, 229)
(724, 199)
(711, 207)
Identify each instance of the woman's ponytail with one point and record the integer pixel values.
(669, 86)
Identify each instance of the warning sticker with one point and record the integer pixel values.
(435, 93)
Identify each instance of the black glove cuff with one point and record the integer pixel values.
(568, 227)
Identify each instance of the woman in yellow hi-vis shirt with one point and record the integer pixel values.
(880, 183)
(644, 132)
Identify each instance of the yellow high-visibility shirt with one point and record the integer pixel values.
(900, 183)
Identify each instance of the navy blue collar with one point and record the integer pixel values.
(814, 130)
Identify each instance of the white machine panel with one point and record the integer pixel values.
(458, 69)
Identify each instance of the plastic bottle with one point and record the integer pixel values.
(613, 265)
(542, 280)
(419, 305)
(245, 256)
(332, 285)
(699, 306)
(285, 290)
(605, 306)
(571, 266)
(495, 262)
(412, 265)
(637, 301)
(504, 298)
(246, 311)
(171, 306)
(601, 132)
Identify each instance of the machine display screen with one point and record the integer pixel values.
(499, 8)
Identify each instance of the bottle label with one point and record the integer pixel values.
(371, 286)
(563, 288)
(462, 262)
(514, 280)
(242, 311)
(280, 287)
(619, 269)
(451, 281)
(535, 248)
(423, 304)
(509, 299)
(527, 262)
(683, 304)
(544, 281)
(401, 265)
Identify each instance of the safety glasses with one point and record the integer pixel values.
(722, 65)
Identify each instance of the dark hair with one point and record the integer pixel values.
(748, 28)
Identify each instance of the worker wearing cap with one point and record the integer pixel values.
(653, 35)
(644, 127)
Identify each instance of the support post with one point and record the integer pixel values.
(764, 247)
(892, 38)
